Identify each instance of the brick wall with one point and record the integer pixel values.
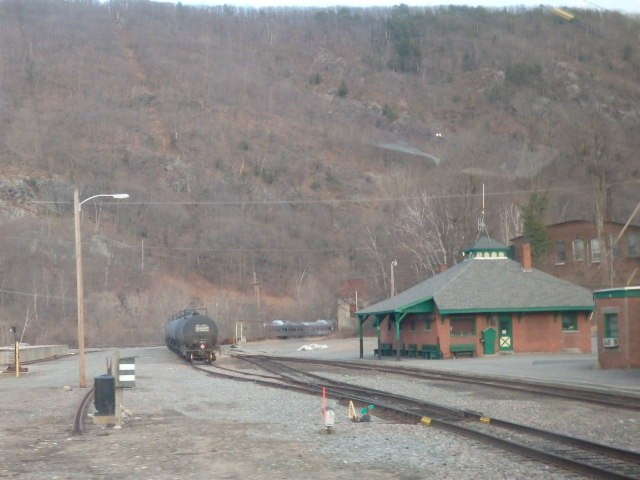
(627, 354)
(588, 273)
(532, 333)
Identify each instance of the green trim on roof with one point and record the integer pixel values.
(623, 292)
(517, 310)
(373, 314)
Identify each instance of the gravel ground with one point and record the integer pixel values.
(181, 424)
(592, 422)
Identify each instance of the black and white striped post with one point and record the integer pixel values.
(127, 372)
(125, 378)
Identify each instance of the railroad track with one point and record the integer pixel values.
(585, 457)
(576, 454)
(627, 400)
(79, 426)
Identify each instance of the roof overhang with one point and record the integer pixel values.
(426, 305)
(621, 292)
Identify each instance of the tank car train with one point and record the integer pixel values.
(192, 335)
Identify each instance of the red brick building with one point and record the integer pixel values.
(484, 305)
(618, 320)
(575, 253)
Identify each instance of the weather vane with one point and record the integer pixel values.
(482, 227)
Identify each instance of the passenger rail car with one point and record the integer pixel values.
(287, 329)
(192, 335)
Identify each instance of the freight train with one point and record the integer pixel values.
(193, 335)
(287, 329)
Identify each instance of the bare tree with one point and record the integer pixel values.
(378, 256)
(594, 148)
(435, 229)
(511, 222)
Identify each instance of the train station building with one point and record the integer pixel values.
(485, 305)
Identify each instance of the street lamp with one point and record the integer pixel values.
(77, 205)
(393, 286)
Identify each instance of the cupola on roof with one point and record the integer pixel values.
(485, 247)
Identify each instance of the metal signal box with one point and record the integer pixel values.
(105, 394)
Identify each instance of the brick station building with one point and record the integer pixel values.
(618, 321)
(486, 304)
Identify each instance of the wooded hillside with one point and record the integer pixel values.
(272, 154)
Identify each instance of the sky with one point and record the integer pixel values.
(625, 6)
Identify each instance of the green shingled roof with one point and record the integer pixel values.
(480, 285)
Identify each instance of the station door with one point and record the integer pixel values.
(505, 337)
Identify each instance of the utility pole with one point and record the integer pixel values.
(77, 205)
(256, 285)
(393, 286)
(80, 292)
(16, 353)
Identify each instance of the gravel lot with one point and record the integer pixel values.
(182, 424)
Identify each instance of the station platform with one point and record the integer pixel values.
(566, 368)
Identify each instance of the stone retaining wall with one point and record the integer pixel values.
(30, 353)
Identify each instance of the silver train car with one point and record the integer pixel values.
(287, 329)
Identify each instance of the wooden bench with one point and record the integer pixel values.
(386, 350)
(410, 351)
(430, 352)
(463, 349)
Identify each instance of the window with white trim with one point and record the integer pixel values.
(611, 328)
(578, 250)
(595, 251)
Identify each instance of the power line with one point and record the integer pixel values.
(253, 250)
(36, 294)
(337, 201)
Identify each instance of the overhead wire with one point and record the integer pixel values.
(332, 201)
(156, 248)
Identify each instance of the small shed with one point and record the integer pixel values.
(618, 322)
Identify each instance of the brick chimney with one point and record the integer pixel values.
(526, 257)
